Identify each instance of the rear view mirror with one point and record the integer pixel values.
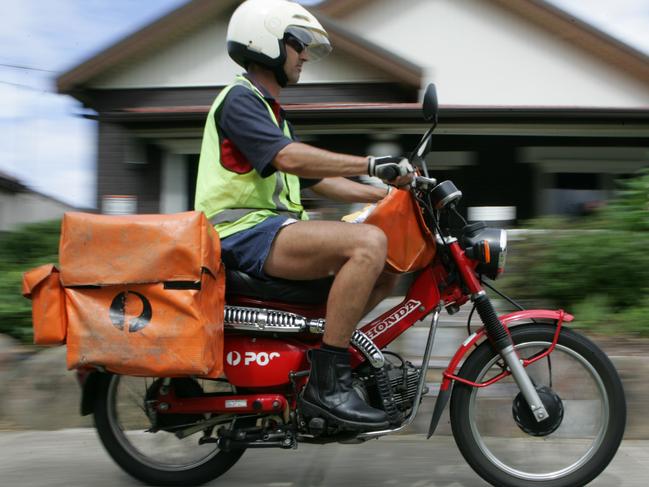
(425, 147)
(430, 103)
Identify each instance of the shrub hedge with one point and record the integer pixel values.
(21, 250)
(596, 267)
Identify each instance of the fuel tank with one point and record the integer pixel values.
(262, 362)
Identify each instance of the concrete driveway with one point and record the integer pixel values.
(74, 458)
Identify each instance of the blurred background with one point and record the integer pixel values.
(544, 126)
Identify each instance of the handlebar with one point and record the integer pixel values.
(421, 182)
(390, 173)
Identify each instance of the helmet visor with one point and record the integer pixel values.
(315, 42)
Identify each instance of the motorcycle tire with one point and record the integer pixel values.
(580, 386)
(123, 432)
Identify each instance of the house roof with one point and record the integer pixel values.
(198, 12)
(344, 40)
(162, 31)
(11, 184)
(555, 20)
(381, 113)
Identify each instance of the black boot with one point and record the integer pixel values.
(329, 394)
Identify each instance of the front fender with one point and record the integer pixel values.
(535, 314)
(507, 320)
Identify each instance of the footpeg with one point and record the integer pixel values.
(253, 438)
(204, 440)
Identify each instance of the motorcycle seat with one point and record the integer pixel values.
(239, 283)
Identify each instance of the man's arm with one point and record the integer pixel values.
(307, 161)
(311, 162)
(342, 189)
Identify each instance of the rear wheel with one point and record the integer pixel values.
(149, 450)
(579, 387)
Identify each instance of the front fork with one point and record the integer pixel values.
(502, 342)
(497, 333)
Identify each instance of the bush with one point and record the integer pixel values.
(597, 267)
(21, 250)
(630, 209)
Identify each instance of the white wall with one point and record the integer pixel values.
(480, 54)
(19, 208)
(200, 59)
(477, 52)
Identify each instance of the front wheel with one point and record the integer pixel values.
(155, 455)
(579, 386)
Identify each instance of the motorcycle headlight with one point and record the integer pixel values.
(486, 245)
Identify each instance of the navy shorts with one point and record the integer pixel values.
(248, 250)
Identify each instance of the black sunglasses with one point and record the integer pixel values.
(295, 43)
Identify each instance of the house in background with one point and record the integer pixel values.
(540, 112)
(20, 205)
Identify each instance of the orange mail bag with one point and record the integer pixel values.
(144, 294)
(411, 246)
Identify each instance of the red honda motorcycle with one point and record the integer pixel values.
(532, 403)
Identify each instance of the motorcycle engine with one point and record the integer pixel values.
(403, 378)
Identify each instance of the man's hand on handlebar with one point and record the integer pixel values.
(396, 171)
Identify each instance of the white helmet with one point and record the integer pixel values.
(258, 28)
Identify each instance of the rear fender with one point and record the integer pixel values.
(89, 380)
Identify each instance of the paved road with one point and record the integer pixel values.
(74, 458)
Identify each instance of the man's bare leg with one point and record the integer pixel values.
(382, 289)
(355, 253)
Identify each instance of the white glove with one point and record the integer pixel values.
(388, 168)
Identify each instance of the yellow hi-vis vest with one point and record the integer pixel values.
(234, 202)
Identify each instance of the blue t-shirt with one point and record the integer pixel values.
(244, 120)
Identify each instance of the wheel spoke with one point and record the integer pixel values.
(565, 450)
(158, 456)
(161, 450)
(499, 436)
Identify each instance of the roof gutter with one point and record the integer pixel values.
(401, 112)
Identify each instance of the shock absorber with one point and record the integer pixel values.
(495, 329)
(503, 344)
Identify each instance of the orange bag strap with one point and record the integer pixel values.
(420, 217)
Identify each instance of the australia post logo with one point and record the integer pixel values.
(387, 323)
(124, 311)
(262, 359)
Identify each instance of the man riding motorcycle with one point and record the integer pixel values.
(250, 174)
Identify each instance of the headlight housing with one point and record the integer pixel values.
(486, 245)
